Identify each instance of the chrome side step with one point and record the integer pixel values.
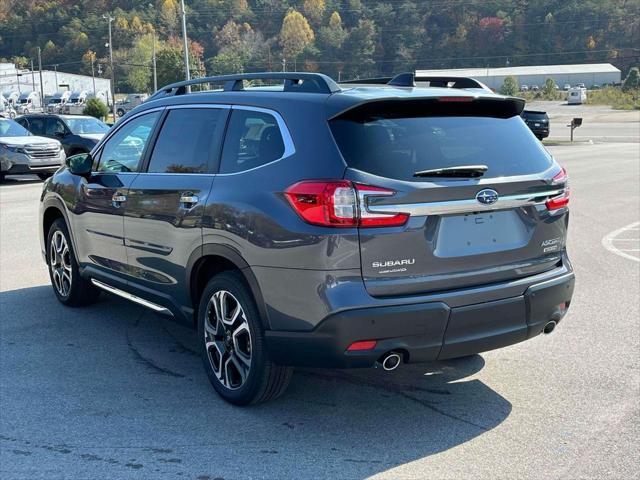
(140, 301)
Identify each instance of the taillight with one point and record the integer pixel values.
(369, 219)
(339, 203)
(332, 204)
(560, 177)
(455, 99)
(561, 200)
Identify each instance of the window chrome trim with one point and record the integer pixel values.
(219, 106)
(289, 147)
(464, 206)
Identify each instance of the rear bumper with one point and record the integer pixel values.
(425, 331)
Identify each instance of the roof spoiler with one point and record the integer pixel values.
(304, 82)
(409, 79)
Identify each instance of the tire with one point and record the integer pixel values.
(69, 287)
(234, 351)
(120, 112)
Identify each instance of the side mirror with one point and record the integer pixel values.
(80, 164)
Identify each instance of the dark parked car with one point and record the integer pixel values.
(318, 225)
(538, 122)
(77, 133)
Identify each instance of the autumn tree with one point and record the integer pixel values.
(314, 10)
(295, 35)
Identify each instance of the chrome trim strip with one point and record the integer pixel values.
(199, 105)
(133, 298)
(464, 206)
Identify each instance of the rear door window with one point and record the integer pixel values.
(399, 147)
(253, 139)
(189, 141)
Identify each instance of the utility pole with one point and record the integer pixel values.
(284, 64)
(33, 77)
(110, 19)
(18, 79)
(93, 76)
(40, 69)
(187, 75)
(155, 73)
(56, 75)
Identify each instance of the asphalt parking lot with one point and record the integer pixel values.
(114, 391)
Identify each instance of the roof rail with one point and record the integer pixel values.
(293, 82)
(409, 80)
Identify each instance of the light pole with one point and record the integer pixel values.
(155, 72)
(110, 19)
(153, 59)
(40, 69)
(56, 75)
(33, 77)
(93, 76)
(187, 75)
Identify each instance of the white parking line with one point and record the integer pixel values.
(607, 242)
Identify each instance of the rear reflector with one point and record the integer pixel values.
(340, 203)
(362, 345)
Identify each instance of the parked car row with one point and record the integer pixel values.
(38, 143)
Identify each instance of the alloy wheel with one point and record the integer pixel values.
(60, 263)
(227, 339)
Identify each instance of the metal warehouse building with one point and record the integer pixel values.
(23, 80)
(587, 73)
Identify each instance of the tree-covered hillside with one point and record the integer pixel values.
(346, 38)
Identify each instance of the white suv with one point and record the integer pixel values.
(24, 153)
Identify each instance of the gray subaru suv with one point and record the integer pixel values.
(297, 222)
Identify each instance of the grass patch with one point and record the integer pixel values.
(615, 97)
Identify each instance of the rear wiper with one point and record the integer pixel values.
(462, 171)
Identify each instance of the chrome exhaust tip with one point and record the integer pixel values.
(390, 361)
(549, 327)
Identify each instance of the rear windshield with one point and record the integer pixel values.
(399, 147)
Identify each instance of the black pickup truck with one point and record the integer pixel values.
(538, 122)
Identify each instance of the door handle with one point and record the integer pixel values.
(117, 199)
(188, 200)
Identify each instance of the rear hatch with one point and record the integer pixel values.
(501, 216)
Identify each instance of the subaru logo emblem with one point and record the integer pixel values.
(487, 196)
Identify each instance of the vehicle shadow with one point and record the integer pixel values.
(19, 180)
(128, 383)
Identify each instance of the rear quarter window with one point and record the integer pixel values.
(399, 147)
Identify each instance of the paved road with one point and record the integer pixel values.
(113, 391)
(600, 123)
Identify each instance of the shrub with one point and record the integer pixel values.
(510, 86)
(95, 108)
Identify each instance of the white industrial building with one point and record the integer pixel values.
(23, 80)
(587, 73)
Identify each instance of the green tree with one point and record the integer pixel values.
(226, 62)
(633, 79)
(333, 35)
(359, 48)
(95, 108)
(510, 86)
(295, 35)
(139, 74)
(549, 89)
